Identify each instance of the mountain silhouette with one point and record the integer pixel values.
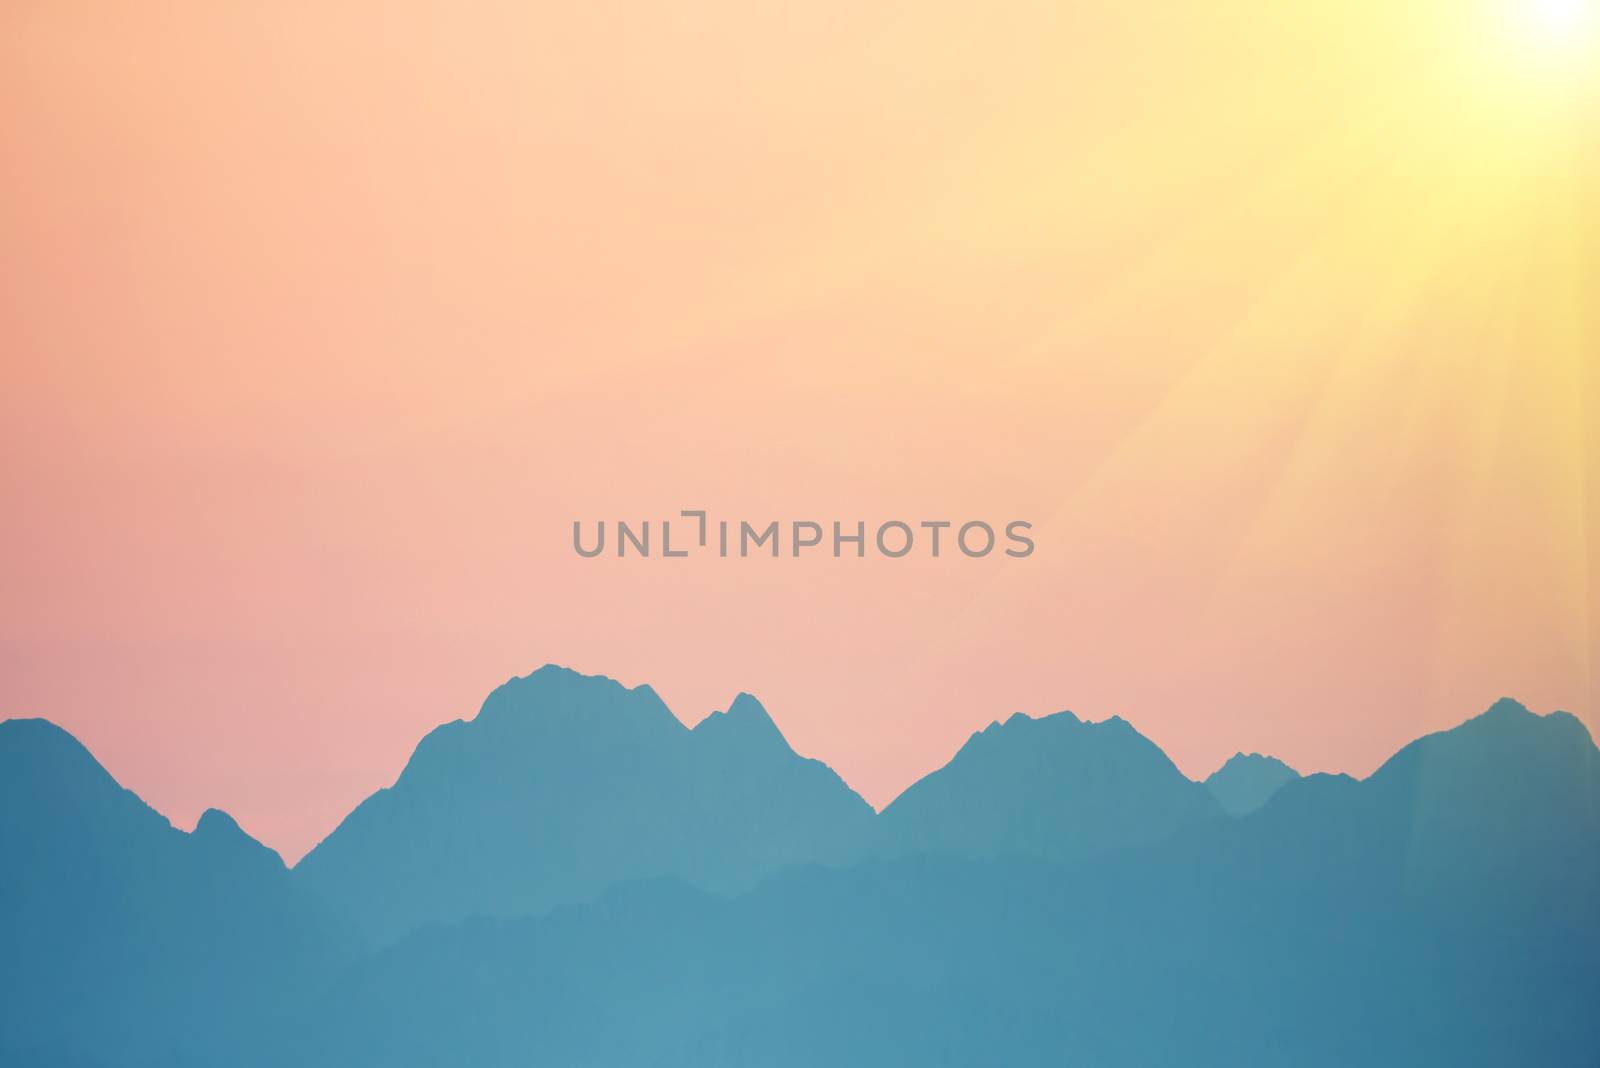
(230, 849)
(117, 925)
(1296, 934)
(1246, 781)
(1085, 904)
(565, 784)
(1505, 806)
(1054, 788)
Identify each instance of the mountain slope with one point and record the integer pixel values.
(116, 924)
(1507, 803)
(565, 784)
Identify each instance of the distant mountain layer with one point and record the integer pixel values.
(573, 877)
(1245, 782)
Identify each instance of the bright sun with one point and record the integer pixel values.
(1552, 40)
(1559, 20)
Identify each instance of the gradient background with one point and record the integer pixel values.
(319, 327)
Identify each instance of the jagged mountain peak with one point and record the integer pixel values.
(555, 692)
(215, 823)
(1032, 739)
(1506, 727)
(1246, 781)
(1508, 706)
(1019, 725)
(745, 718)
(530, 715)
(1509, 718)
(1054, 787)
(565, 784)
(220, 834)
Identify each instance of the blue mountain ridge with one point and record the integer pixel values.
(574, 877)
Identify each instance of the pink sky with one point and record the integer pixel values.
(319, 331)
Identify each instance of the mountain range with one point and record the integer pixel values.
(574, 877)
(565, 784)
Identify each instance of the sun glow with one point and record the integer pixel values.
(1559, 32)
(1559, 19)
(1532, 69)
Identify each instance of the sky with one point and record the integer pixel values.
(320, 325)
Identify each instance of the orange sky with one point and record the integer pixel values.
(318, 330)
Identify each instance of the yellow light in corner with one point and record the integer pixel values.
(1559, 23)
(1551, 45)
(1560, 17)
